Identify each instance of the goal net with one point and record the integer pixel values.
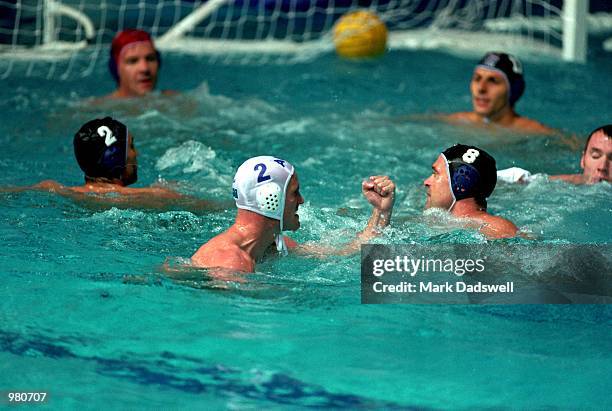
(69, 38)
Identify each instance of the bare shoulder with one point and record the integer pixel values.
(156, 191)
(420, 117)
(232, 258)
(458, 117)
(218, 252)
(495, 227)
(569, 178)
(290, 242)
(80, 189)
(48, 185)
(533, 126)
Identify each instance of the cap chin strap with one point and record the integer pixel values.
(279, 239)
(450, 184)
(452, 204)
(281, 246)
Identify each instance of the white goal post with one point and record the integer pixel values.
(57, 31)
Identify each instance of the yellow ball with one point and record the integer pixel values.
(360, 34)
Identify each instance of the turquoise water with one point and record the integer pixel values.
(88, 315)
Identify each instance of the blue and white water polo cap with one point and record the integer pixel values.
(260, 186)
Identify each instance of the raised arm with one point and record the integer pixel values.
(380, 193)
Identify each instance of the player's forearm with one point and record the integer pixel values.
(378, 220)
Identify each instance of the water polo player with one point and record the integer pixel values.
(267, 194)
(134, 64)
(496, 86)
(595, 162)
(104, 150)
(463, 178)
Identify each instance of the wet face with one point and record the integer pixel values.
(137, 68)
(130, 173)
(438, 188)
(293, 199)
(489, 92)
(596, 159)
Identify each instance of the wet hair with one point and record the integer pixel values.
(122, 39)
(472, 172)
(100, 148)
(511, 68)
(607, 130)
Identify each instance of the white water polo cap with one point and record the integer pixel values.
(260, 186)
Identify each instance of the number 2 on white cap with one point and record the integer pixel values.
(261, 177)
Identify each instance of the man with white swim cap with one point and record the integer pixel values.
(463, 178)
(267, 194)
(595, 162)
(497, 84)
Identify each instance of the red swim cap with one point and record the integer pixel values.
(125, 37)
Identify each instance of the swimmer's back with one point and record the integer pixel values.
(222, 251)
(496, 227)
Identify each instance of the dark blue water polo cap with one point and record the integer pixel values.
(472, 172)
(100, 147)
(511, 68)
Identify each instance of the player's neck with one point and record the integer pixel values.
(255, 233)
(504, 117)
(468, 207)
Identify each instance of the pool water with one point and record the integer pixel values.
(88, 314)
